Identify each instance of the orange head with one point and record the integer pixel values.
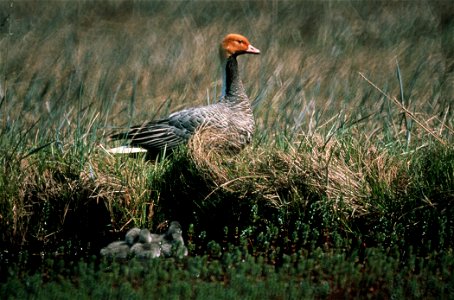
(236, 44)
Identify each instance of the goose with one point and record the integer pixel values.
(146, 250)
(232, 115)
(132, 236)
(118, 249)
(121, 249)
(141, 243)
(172, 243)
(146, 247)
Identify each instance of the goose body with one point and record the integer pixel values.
(232, 115)
(119, 249)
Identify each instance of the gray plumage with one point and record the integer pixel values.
(118, 249)
(232, 115)
(172, 243)
(142, 244)
(132, 236)
(145, 236)
(146, 247)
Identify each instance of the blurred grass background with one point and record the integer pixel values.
(335, 163)
(134, 60)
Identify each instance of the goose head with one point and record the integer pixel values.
(235, 44)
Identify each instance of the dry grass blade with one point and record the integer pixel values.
(207, 148)
(403, 108)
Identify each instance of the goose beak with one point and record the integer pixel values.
(252, 50)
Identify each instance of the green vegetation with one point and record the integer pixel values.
(347, 190)
(318, 274)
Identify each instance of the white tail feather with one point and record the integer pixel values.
(125, 150)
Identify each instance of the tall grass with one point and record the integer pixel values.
(353, 106)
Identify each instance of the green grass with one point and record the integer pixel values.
(317, 274)
(347, 189)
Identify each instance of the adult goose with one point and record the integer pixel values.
(231, 116)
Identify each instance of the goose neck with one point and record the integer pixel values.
(231, 85)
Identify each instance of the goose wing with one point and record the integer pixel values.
(169, 132)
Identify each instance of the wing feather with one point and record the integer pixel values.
(169, 132)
